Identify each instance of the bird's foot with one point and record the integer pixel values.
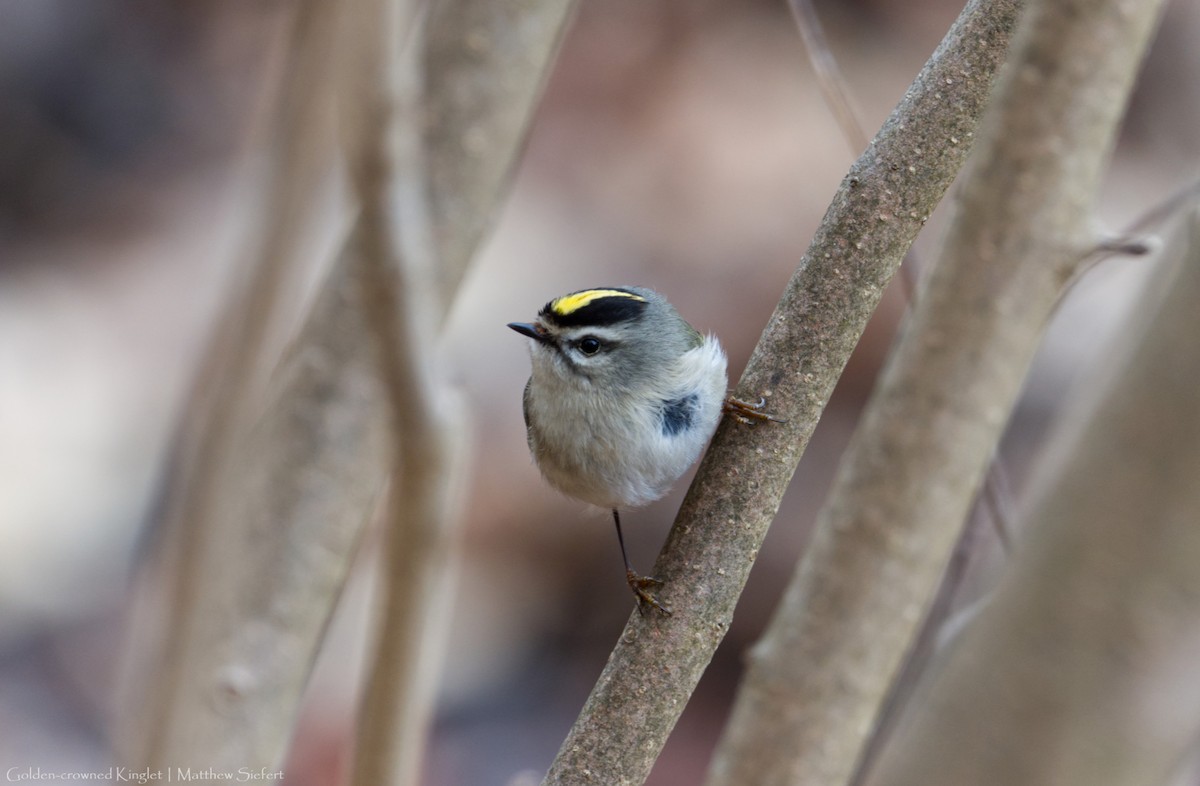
(748, 412)
(642, 586)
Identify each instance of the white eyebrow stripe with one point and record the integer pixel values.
(602, 333)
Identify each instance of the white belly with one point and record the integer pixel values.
(628, 449)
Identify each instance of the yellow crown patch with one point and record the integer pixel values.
(568, 304)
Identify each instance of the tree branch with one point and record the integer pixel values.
(905, 485)
(829, 76)
(485, 68)
(382, 91)
(272, 500)
(1077, 670)
(877, 212)
(194, 701)
(453, 175)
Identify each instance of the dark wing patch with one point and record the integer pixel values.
(678, 415)
(525, 413)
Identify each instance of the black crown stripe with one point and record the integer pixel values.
(602, 311)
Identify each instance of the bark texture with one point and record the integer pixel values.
(873, 219)
(1081, 670)
(820, 674)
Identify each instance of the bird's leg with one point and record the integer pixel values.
(641, 585)
(748, 412)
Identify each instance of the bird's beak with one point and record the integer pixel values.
(527, 329)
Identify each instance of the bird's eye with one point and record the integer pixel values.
(589, 345)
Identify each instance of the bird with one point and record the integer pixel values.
(623, 396)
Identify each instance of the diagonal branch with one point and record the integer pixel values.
(485, 65)
(1079, 670)
(875, 215)
(194, 702)
(829, 76)
(821, 672)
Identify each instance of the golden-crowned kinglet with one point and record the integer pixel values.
(623, 397)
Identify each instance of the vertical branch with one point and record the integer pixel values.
(1079, 670)
(925, 645)
(873, 219)
(400, 298)
(818, 677)
(428, 168)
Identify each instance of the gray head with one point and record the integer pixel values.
(613, 336)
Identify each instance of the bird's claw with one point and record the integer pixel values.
(748, 412)
(642, 586)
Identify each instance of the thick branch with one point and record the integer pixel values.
(1079, 670)
(821, 672)
(308, 483)
(192, 704)
(873, 219)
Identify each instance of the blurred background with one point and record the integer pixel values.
(682, 145)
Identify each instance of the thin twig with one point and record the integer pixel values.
(997, 492)
(471, 78)
(829, 75)
(1168, 208)
(836, 92)
(1125, 245)
(1132, 240)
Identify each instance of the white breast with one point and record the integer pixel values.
(619, 451)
